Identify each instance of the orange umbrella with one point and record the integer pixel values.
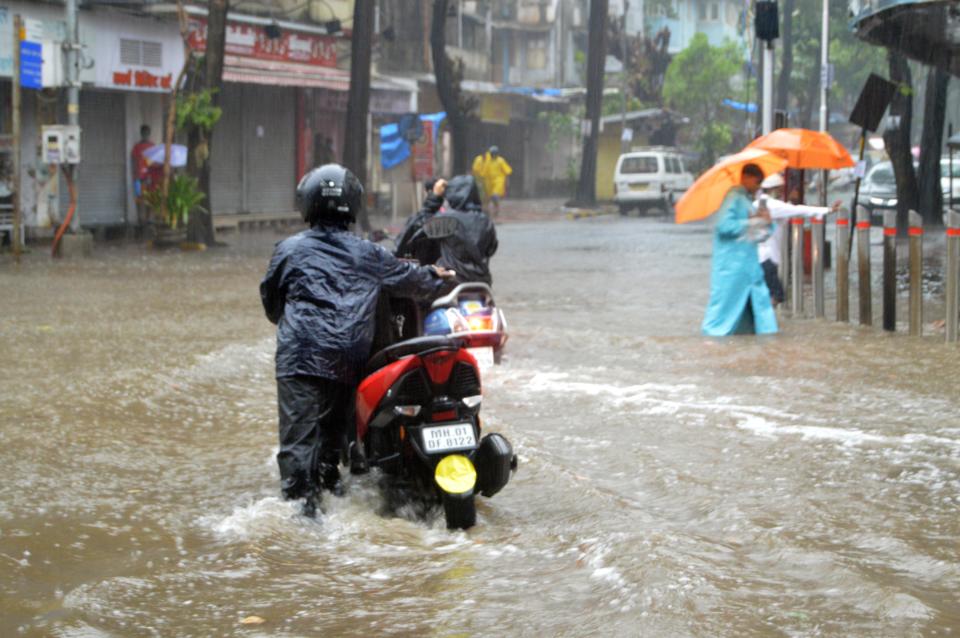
(805, 149)
(706, 195)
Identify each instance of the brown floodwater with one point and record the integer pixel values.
(805, 484)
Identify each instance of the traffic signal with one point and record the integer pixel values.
(766, 22)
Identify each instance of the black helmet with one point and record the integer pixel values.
(329, 195)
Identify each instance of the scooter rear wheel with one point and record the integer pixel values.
(460, 510)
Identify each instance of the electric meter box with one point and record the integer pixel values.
(61, 144)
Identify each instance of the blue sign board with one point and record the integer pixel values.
(31, 65)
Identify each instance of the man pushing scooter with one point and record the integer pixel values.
(321, 290)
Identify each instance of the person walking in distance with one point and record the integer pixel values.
(492, 172)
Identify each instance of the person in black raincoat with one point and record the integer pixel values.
(321, 290)
(468, 251)
(412, 243)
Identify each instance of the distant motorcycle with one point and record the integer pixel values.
(469, 308)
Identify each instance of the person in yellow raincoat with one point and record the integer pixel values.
(492, 171)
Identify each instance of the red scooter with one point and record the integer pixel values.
(418, 421)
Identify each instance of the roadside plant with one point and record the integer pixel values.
(197, 111)
(183, 197)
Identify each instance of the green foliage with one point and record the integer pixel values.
(183, 197)
(197, 110)
(714, 140)
(698, 80)
(853, 61)
(563, 126)
(613, 104)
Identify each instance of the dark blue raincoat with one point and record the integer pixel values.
(321, 290)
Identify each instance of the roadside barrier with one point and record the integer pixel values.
(890, 271)
(786, 265)
(843, 265)
(915, 232)
(796, 270)
(952, 220)
(863, 263)
(817, 259)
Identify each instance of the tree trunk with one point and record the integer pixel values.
(358, 101)
(596, 59)
(897, 139)
(786, 66)
(931, 145)
(212, 79)
(448, 88)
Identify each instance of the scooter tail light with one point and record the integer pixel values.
(480, 323)
(439, 365)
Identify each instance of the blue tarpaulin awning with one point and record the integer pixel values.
(740, 106)
(394, 150)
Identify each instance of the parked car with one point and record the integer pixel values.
(650, 177)
(878, 192)
(945, 179)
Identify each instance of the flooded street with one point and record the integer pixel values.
(806, 484)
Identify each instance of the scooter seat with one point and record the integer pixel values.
(418, 346)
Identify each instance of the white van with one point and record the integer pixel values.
(650, 177)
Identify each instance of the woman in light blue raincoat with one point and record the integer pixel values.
(739, 297)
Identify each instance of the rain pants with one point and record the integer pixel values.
(468, 252)
(321, 289)
(739, 297)
(492, 173)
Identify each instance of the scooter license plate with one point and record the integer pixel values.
(446, 438)
(484, 356)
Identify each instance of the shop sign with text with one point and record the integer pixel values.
(251, 41)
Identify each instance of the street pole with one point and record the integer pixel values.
(623, 87)
(17, 220)
(72, 46)
(768, 62)
(818, 234)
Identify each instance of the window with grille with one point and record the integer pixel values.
(537, 52)
(141, 52)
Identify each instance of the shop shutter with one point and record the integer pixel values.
(102, 183)
(269, 133)
(226, 179)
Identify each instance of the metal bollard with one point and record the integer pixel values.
(916, 273)
(843, 265)
(785, 265)
(796, 262)
(816, 254)
(890, 271)
(863, 266)
(952, 220)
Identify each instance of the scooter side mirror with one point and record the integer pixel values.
(441, 227)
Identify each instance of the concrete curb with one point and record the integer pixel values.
(586, 214)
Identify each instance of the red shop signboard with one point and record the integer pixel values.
(423, 154)
(251, 41)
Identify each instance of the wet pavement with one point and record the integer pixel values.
(805, 484)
